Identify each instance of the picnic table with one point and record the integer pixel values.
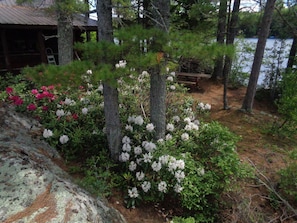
(191, 79)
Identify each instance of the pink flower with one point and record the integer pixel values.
(9, 90)
(31, 107)
(44, 88)
(44, 108)
(39, 96)
(16, 100)
(75, 116)
(51, 87)
(34, 91)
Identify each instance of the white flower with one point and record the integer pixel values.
(146, 186)
(178, 188)
(100, 88)
(172, 74)
(85, 101)
(126, 147)
(67, 101)
(180, 164)
(162, 186)
(139, 160)
(168, 137)
(140, 175)
(132, 166)
(122, 64)
(176, 118)
(187, 120)
(101, 105)
(138, 120)
(150, 146)
(90, 85)
(170, 78)
(164, 159)
(144, 74)
(197, 122)
(188, 127)
(194, 126)
(147, 157)
(84, 111)
(160, 141)
(150, 127)
(129, 128)
(201, 171)
(124, 157)
(64, 139)
(156, 166)
(172, 87)
(170, 127)
(200, 105)
(207, 106)
(179, 175)
(172, 164)
(167, 69)
(89, 72)
(144, 143)
(131, 119)
(60, 112)
(126, 139)
(133, 193)
(47, 133)
(137, 150)
(185, 136)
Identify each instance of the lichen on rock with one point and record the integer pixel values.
(33, 188)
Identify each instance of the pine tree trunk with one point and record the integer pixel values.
(262, 37)
(111, 105)
(221, 33)
(292, 56)
(232, 26)
(158, 102)
(65, 38)
(160, 11)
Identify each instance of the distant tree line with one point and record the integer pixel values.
(281, 27)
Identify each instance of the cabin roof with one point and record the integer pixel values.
(35, 15)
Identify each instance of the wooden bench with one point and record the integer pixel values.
(191, 78)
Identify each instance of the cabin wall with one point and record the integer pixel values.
(27, 47)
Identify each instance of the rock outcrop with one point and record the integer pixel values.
(32, 187)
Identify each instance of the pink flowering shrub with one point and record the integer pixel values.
(73, 117)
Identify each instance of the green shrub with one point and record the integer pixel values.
(287, 105)
(288, 179)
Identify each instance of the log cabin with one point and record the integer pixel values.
(28, 34)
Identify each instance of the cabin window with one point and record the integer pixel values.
(22, 42)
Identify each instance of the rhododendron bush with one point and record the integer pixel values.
(192, 165)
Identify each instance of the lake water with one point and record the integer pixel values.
(276, 55)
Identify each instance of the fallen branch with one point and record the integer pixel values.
(265, 182)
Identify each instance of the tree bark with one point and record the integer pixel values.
(232, 26)
(161, 13)
(110, 93)
(65, 38)
(292, 55)
(262, 37)
(221, 33)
